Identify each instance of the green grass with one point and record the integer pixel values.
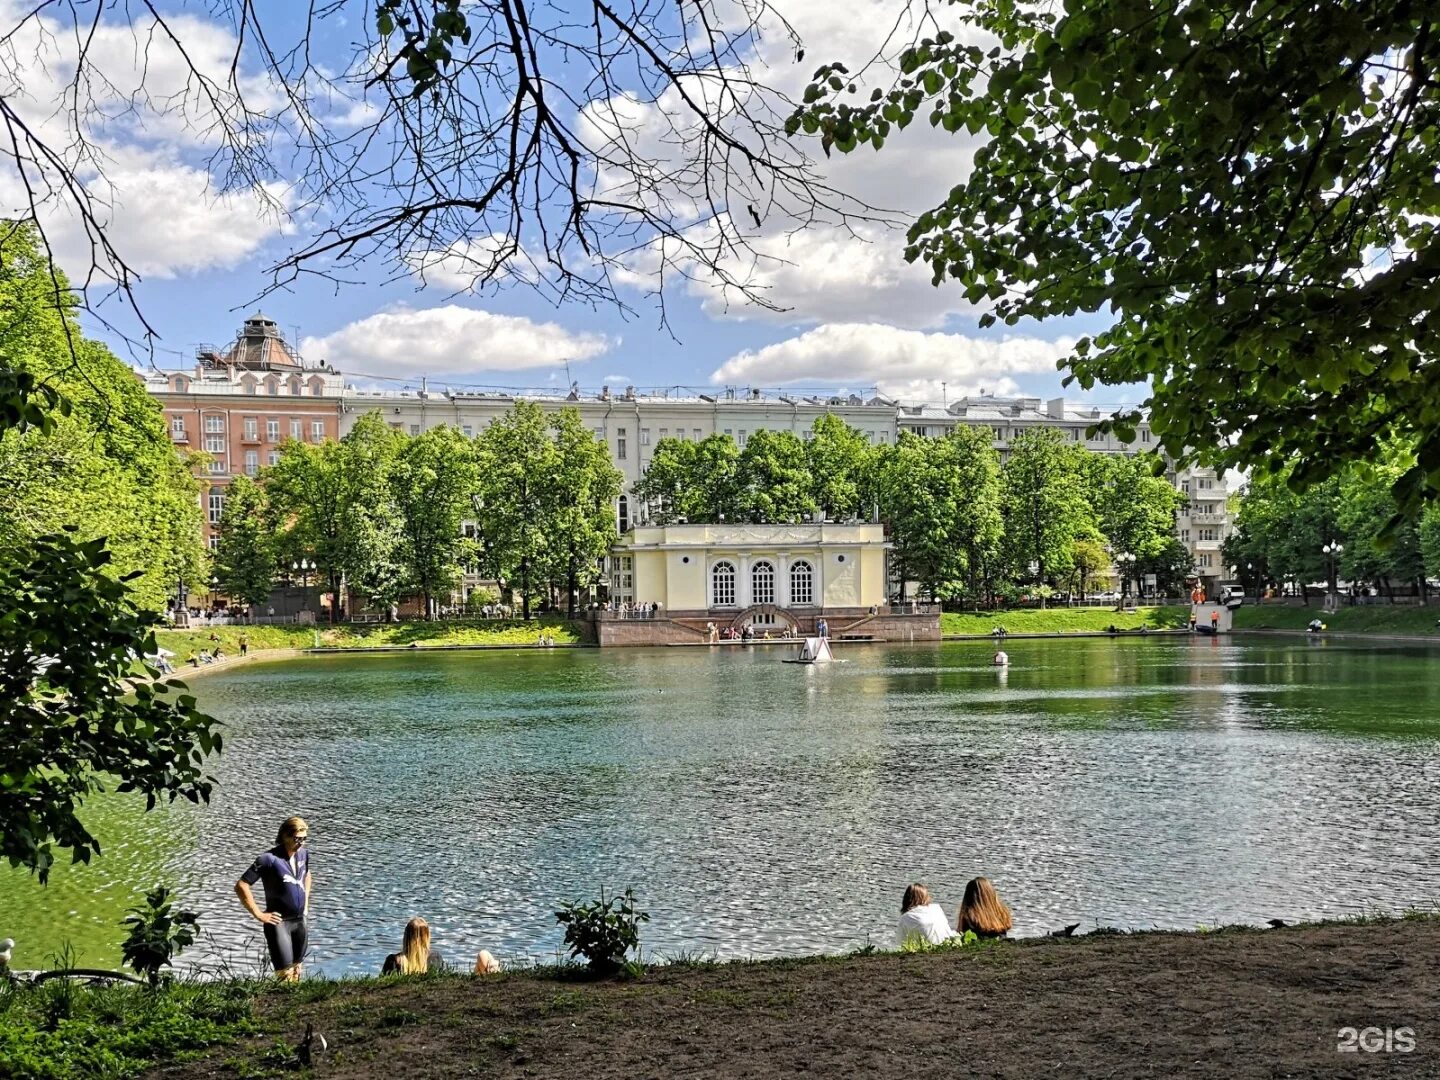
(418, 633)
(1062, 620)
(1369, 619)
(59, 1030)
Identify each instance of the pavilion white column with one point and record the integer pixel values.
(742, 582)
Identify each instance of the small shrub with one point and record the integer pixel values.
(157, 935)
(917, 944)
(603, 932)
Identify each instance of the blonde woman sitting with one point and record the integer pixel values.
(485, 964)
(922, 920)
(415, 956)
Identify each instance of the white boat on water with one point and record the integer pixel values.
(816, 650)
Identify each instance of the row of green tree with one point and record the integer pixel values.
(528, 502)
(101, 466)
(1347, 527)
(964, 525)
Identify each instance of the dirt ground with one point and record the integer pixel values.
(1239, 1003)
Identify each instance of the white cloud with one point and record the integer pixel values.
(450, 340)
(617, 380)
(906, 364)
(142, 113)
(815, 271)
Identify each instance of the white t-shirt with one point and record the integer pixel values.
(927, 922)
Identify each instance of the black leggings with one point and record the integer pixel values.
(287, 941)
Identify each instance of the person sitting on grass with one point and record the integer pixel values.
(415, 956)
(982, 912)
(921, 919)
(485, 964)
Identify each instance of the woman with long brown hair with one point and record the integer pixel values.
(415, 956)
(982, 912)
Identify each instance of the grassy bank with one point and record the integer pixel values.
(1233, 1002)
(1369, 619)
(1063, 620)
(371, 635)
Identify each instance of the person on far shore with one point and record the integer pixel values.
(285, 871)
(982, 912)
(921, 918)
(415, 956)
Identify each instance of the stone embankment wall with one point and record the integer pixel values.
(688, 628)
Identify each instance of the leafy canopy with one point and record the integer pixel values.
(1249, 189)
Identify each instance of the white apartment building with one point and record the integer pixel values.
(632, 424)
(629, 423)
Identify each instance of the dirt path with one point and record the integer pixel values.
(1233, 1004)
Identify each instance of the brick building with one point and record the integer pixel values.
(240, 403)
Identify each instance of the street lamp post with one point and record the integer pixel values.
(1332, 552)
(1124, 562)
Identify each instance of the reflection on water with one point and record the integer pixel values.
(760, 808)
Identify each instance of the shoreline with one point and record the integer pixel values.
(1232, 1002)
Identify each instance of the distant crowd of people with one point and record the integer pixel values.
(284, 874)
(628, 610)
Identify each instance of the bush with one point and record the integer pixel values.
(478, 598)
(603, 932)
(157, 936)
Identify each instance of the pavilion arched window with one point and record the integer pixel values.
(722, 584)
(802, 584)
(762, 583)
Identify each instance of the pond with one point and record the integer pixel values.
(762, 809)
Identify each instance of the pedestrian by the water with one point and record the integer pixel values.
(982, 912)
(244, 644)
(285, 872)
(415, 956)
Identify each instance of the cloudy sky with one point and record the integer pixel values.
(845, 310)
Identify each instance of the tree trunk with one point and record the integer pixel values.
(525, 589)
(1304, 592)
(572, 585)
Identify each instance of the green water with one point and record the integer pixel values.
(764, 809)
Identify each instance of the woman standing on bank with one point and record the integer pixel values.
(285, 871)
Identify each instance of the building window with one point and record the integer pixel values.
(249, 386)
(762, 583)
(316, 388)
(317, 430)
(274, 458)
(644, 436)
(294, 387)
(467, 431)
(624, 514)
(272, 387)
(1204, 561)
(217, 507)
(214, 425)
(1207, 534)
(1145, 434)
(1184, 536)
(272, 430)
(414, 429)
(802, 584)
(664, 433)
(252, 462)
(180, 385)
(252, 428)
(728, 433)
(213, 543)
(884, 438)
(295, 429)
(620, 444)
(214, 444)
(177, 427)
(741, 439)
(722, 585)
(698, 436)
(217, 467)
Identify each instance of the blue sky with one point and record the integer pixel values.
(857, 316)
